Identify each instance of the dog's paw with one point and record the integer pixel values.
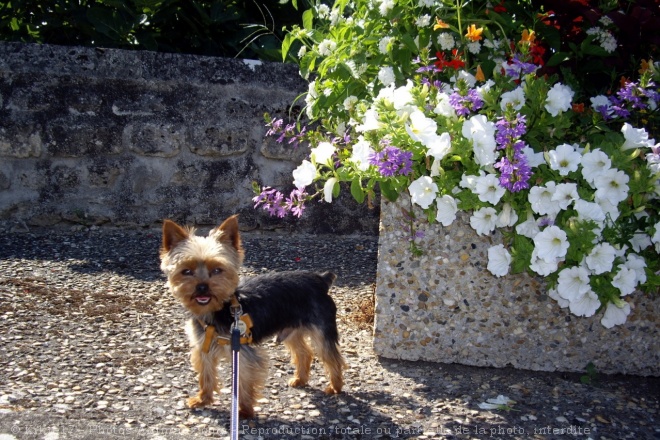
(198, 402)
(297, 382)
(332, 390)
(244, 413)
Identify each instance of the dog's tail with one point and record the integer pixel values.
(328, 277)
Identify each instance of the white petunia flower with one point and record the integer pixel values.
(551, 243)
(322, 153)
(612, 185)
(594, 163)
(438, 146)
(640, 241)
(304, 174)
(421, 128)
(585, 304)
(601, 101)
(625, 280)
(638, 264)
(370, 121)
(423, 191)
(469, 181)
(362, 151)
(534, 159)
(540, 199)
(402, 97)
(488, 189)
(350, 102)
(477, 124)
(542, 266)
(563, 303)
(481, 132)
(386, 75)
(615, 315)
(484, 147)
(515, 98)
(444, 107)
(565, 194)
(447, 210)
(559, 99)
(564, 159)
(601, 258)
(499, 260)
(573, 282)
(635, 137)
(484, 220)
(507, 217)
(611, 210)
(529, 228)
(589, 211)
(656, 237)
(328, 188)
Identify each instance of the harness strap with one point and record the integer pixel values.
(243, 321)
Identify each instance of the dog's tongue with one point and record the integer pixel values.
(203, 299)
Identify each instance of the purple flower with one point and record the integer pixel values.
(515, 171)
(392, 161)
(272, 201)
(517, 67)
(463, 105)
(296, 202)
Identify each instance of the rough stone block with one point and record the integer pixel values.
(445, 306)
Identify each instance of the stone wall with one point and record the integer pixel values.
(98, 136)
(445, 306)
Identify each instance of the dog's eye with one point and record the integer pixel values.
(186, 272)
(216, 271)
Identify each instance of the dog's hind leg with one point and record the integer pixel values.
(301, 357)
(327, 349)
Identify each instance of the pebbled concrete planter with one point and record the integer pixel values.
(445, 306)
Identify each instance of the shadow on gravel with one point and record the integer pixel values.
(134, 253)
(331, 422)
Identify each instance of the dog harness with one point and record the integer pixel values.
(242, 321)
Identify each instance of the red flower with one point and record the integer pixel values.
(455, 63)
(499, 8)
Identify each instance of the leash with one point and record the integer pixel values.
(235, 363)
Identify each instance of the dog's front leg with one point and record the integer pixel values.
(206, 366)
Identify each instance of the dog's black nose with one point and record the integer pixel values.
(202, 288)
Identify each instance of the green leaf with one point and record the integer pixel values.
(356, 191)
(308, 19)
(521, 253)
(388, 191)
(286, 44)
(558, 58)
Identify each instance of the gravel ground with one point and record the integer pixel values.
(91, 346)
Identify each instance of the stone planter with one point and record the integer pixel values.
(445, 306)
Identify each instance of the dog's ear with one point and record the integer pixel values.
(173, 234)
(228, 233)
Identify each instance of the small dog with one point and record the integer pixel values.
(202, 272)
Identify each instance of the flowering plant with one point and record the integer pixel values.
(451, 103)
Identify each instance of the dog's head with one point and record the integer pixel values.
(202, 272)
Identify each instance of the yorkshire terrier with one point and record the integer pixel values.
(203, 273)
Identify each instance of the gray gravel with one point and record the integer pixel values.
(91, 346)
